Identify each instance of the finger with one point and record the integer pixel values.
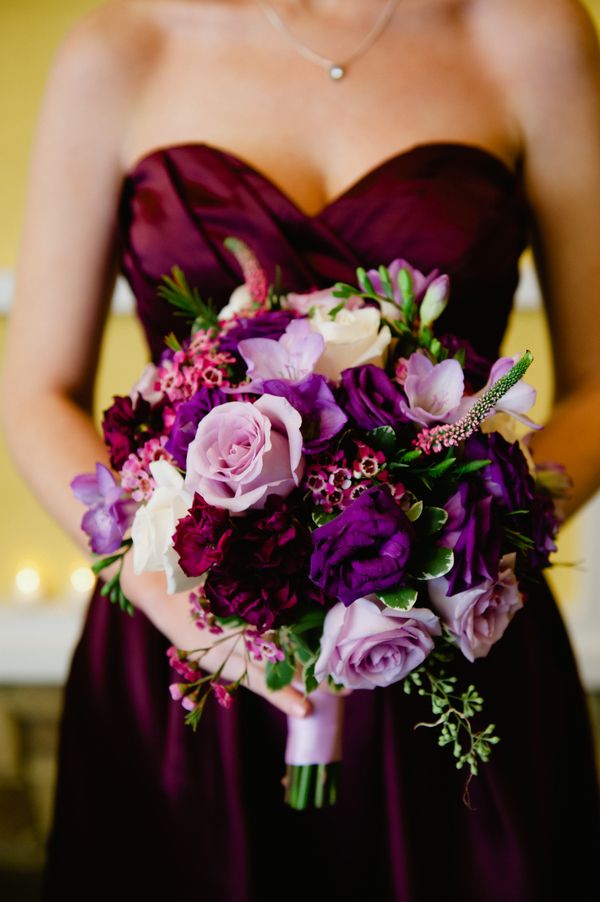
(288, 699)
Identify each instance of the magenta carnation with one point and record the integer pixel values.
(202, 537)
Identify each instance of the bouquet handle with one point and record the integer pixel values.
(314, 752)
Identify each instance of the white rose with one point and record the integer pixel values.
(154, 525)
(239, 300)
(352, 338)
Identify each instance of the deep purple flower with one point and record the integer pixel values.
(262, 575)
(474, 532)
(187, 416)
(127, 425)
(110, 514)
(201, 539)
(322, 418)
(364, 549)
(370, 397)
(508, 479)
(267, 324)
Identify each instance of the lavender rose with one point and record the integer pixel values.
(370, 397)
(367, 644)
(243, 452)
(364, 549)
(187, 416)
(479, 616)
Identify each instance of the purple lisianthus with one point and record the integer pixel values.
(262, 575)
(474, 533)
(292, 357)
(370, 398)
(508, 479)
(110, 514)
(266, 324)
(322, 418)
(364, 549)
(478, 617)
(127, 425)
(202, 537)
(368, 644)
(187, 416)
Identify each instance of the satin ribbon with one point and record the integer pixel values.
(316, 738)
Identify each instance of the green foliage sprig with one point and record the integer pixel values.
(178, 292)
(112, 587)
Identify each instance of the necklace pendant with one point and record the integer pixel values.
(336, 72)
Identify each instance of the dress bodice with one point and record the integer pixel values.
(450, 205)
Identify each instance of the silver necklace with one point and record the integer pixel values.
(336, 70)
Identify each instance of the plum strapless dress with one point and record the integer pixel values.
(145, 806)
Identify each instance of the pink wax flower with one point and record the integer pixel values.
(243, 452)
(367, 644)
(479, 616)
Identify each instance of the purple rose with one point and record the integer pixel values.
(110, 514)
(474, 532)
(478, 616)
(364, 549)
(243, 452)
(262, 575)
(370, 398)
(187, 416)
(202, 537)
(322, 418)
(127, 425)
(508, 479)
(368, 644)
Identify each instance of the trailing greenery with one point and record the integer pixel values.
(112, 587)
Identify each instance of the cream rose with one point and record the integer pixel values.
(154, 524)
(239, 300)
(352, 338)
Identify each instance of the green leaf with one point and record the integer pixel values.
(441, 467)
(433, 562)
(414, 512)
(400, 599)
(311, 619)
(335, 310)
(364, 281)
(172, 342)
(279, 674)
(310, 681)
(383, 438)
(432, 520)
(471, 467)
(386, 282)
(97, 566)
(321, 517)
(189, 303)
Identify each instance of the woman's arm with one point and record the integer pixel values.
(552, 72)
(65, 274)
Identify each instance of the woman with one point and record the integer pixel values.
(458, 131)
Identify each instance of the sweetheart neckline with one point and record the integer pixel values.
(484, 153)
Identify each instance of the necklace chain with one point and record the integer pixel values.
(336, 69)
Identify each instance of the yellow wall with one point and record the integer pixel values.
(31, 30)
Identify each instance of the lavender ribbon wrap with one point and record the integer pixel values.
(316, 738)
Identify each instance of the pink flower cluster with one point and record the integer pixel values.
(201, 614)
(334, 481)
(261, 648)
(198, 365)
(135, 472)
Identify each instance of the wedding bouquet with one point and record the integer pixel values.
(335, 486)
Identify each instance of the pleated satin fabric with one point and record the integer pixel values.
(147, 806)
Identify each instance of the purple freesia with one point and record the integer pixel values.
(187, 416)
(433, 391)
(292, 357)
(322, 418)
(370, 397)
(517, 400)
(364, 549)
(474, 534)
(110, 514)
(420, 283)
(266, 324)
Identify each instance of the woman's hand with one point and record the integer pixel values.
(171, 614)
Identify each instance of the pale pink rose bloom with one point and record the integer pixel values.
(479, 616)
(367, 644)
(243, 452)
(322, 298)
